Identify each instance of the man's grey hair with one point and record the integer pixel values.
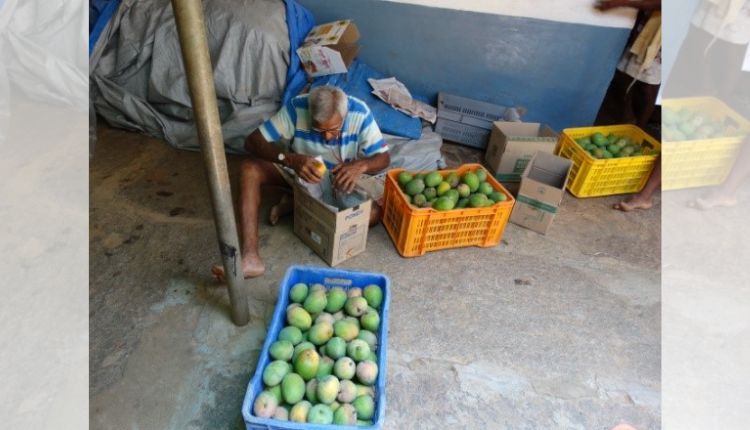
(326, 100)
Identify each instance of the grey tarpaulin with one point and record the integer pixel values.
(138, 79)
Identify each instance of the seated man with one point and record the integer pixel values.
(325, 123)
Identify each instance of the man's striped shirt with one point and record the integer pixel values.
(360, 135)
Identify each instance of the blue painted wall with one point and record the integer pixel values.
(558, 71)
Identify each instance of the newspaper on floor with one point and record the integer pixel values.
(393, 92)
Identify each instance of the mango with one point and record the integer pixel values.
(404, 178)
(345, 415)
(317, 287)
(443, 204)
(338, 316)
(276, 391)
(369, 337)
(281, 350)
(300, 318)
(320, 333)
(364, 390)
(365, 407)
(463, 190)
(419, 200)
(291, 334)
(265, 405)
(462, 203)
(328, 389)
(325, 367)
(299, 412)
(306, 364)
(347, 391)
(298, 293)
(345, 329)
(336, 347)
(452, 179)
(374, 295)
(485, 188)
(433, 179)
(311, 389)
(443, 188)
(497, 196)
(275, 372)
(315, 302)
(358, 350)
(478, 201)
(471, 180)
(301, 347)
(344, 368)
(281, 414)
(324, 317)
(292, 388)
(453, 195)
(336, 300)
(355, 306)
(370, 320)
(414, 187)
(354, 292)
(430, 193)
(481, 174)
(320, 414)
(367, 372)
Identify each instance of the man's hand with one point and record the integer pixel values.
(346, 175)
(305, 167)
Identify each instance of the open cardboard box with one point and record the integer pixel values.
(541, 192)
(329, 48)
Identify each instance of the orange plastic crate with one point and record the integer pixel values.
(416, 231)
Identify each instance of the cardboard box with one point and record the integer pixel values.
(512, 144)
(542, 189)
(329, 48)
(335, 235)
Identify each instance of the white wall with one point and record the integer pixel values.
(571, 11)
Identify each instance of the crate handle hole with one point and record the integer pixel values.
(338, 281)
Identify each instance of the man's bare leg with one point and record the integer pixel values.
(285, 206)
(254, 174)
(643, 200)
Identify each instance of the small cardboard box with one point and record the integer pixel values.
(541, 192)
(512, 144)
(335, 235)
(329, 48)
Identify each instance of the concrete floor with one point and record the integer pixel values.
(558, 332)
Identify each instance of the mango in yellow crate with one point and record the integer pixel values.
(481, 175)
(485, 188)
(471, 179)
(443, 204)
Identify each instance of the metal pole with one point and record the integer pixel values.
(192, 30)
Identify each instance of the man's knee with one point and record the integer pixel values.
(251, 168)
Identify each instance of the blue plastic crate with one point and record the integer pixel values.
(330, 278)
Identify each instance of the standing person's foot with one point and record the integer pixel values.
(252, 266)
(285, 206)
(632, 203)
(712, 201)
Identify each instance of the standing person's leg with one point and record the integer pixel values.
(643, 200)
(644, 102)
(726, 193)
(254, 174)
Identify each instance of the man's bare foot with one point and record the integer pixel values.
(285, 206)
(712, 201)
(633, 203)
(252, 266)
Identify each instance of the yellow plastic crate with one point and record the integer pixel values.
(592, 177)
(704, 162)
(416, 231)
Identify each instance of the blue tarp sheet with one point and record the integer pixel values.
(355, 84)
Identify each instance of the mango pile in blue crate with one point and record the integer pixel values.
(324, 364)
